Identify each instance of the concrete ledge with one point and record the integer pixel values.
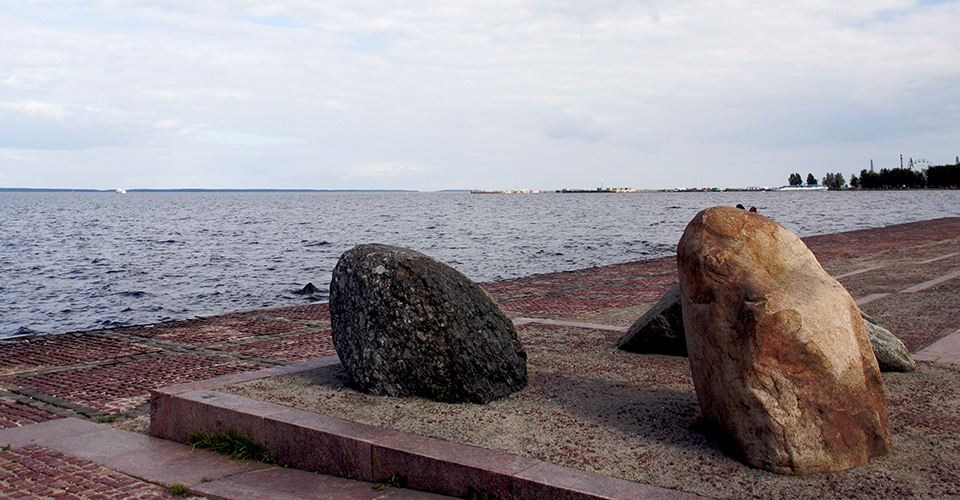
(144, 457)
(314, 442)
(552, 481)
(328, 445)
(290, 484)
(448, 468)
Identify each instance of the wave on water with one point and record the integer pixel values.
(80, 261)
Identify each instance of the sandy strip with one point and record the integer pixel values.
(592, 407)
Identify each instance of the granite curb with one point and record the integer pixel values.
(153, 465)
(333, 446)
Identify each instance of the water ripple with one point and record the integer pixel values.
(76, 261)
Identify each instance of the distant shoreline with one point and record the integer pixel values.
(239, 190)
(201, 190)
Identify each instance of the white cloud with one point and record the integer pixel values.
(498, 92)
(385, 169)
(35, 125)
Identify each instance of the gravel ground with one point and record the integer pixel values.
(592, 407)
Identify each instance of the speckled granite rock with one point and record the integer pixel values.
(778, 352)
(407, 325)
(891, 354)
(659, 330)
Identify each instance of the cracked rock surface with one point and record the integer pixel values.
(404, 324)
(779, 354)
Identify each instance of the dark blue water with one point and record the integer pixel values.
(77, 261)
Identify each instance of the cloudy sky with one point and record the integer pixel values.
(496, 94)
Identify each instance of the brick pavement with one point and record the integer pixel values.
(38, 472)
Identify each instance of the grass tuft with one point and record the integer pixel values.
(233, 444)
(473, 494)
(178, 490)
(393, 481)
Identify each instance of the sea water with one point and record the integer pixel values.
(79, 261)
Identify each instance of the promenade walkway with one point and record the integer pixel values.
(906, 276)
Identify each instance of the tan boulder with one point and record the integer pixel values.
(780, 357)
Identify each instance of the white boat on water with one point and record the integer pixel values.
(121, 191)
(806, 187)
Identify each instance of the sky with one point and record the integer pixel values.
(442, 94)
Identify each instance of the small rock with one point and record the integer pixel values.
(891, 354)
(406, 325)
(308, 289)
(780, 358)
(659, 330)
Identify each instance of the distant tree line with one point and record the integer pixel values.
(944, 175)
(796, 180)
(832, 181)
(936, 176)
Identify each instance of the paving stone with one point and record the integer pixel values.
(564, 306)
(44, 432)
(46, 473)
(911, 318)
(205, 331)
(633, 293)
(516, 289)
(125, 385)
(45, 351)
(15, 414)
(310, 345)
(450, 468)
(150, 458)
(312, 312)
(663, 280)
(292, 484)
(551, 481)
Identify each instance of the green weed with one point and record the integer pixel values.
(233, 444)
(178, 490)
(473, 494)
(394, 481)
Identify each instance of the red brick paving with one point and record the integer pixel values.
(312, 312)
(663, 280)
(124, 386)
(633, 293)
(14, 414)
(63, 350)
(569, 307)
(36, 472)
(830, 247)
(521, 288)
(315, 344)
(216, 329)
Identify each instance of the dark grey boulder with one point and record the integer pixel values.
(659, 330)
(405, 324)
